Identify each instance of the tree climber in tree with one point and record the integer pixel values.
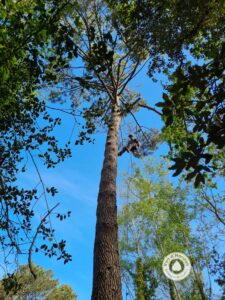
(132, 146)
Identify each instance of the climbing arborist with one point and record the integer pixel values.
(132, 146)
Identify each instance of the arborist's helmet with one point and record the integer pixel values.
(130, 136)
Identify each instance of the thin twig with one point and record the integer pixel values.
(136, 121)
(128, 78)
(34, 238)
(150, 108)
(62, 110)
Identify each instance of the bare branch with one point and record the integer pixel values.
(213, 208)
(40, 178)
(34, 239)
(129, 77)
(138, 124)
(62, 110)
(150, 108)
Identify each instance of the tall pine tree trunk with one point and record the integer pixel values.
(106, 274)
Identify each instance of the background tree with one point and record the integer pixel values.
(154, 221)
(62, 292)
(44, 287)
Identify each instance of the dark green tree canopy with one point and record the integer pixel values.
(165, 27)
(22, 285)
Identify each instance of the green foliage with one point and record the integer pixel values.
(28, 31)
(188, 36)
(195, 101)
(145, 283)
(161, 30)
(155, 221)
(26, 287)
(139, 280)
(64, 292)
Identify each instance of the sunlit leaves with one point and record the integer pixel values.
(22, 284)
(154, 220)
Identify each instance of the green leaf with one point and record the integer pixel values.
(166, 97)
(160, 104)
(199, 179)
(191, 175)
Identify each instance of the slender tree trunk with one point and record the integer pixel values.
(199, 283)
(171, 289)
(106, 273)
(140, 280)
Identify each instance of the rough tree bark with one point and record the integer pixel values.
(106, 272)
